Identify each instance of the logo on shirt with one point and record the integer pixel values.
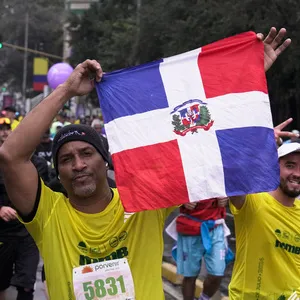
(114, 241)
(286, 235)
(260, 271)
(93, 250)
(287, 247)
(297, 238)
(87, 269)
(123, 236)
(278, 232)
(191, 115)
(119, 253)
(82, 246)
(45, 154)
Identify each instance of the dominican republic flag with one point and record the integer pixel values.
(193, 126)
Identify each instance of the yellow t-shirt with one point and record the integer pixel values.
(68, 238)
(267, 264)
(14, 124)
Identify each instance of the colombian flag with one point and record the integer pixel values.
(40, 70)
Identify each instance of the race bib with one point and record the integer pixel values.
(104, 280)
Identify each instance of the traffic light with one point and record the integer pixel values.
(1, 45)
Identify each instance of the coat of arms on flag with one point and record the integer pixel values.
(191, 116)
(190, 127)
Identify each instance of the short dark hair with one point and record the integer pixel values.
(5, 126)
(11, 109)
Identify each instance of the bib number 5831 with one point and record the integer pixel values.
(98, 287)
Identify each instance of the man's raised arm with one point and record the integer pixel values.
(20, 175)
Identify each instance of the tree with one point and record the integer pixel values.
(167, 27)
(45, 34)
(106, 32)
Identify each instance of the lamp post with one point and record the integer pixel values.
(25, 59)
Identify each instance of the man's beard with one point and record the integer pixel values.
(84, 191)
(292, 193)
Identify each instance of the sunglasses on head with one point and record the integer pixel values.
(5, 121)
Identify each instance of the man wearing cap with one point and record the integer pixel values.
(10, 112)
(90, 226)
(267, 264)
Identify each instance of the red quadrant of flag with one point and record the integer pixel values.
(162, 165)
(225, 67)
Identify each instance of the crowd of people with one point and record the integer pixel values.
(19, 254)
(62, 203)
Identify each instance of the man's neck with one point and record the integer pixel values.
(282, 198)
(93, 204)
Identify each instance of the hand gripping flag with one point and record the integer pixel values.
(193, 126)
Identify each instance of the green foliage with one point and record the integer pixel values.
(45, 34)
(109, 33)
(119, 35)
